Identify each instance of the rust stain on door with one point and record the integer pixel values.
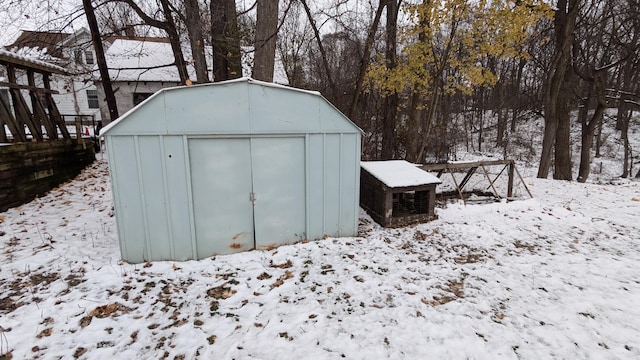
(234, 239)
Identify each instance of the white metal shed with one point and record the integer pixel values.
(231, 166)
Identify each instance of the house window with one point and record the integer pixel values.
(140, 97)
(77, 55)
(88, 55)
(92, 99)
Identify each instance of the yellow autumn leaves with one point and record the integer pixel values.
(446, 43)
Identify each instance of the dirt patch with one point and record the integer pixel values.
(46, 278)
(104, 311)
(221, 292)
(454, 290)
(7, 305)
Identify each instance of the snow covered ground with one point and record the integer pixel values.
(555, 276)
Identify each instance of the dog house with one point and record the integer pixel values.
(231, 166)
(397, 193)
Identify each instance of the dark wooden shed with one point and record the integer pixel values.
(397, 193)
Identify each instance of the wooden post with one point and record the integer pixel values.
(54, 114)
(12, 123)
(3, 133)
(78, 121)
(510, 183)
(388, 207)
(40, 116)
(23, 116)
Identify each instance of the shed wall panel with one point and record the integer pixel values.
(332, 184)
(128, 204)
(148, 120)
(153, 193)
(268, 116)
(350, 183)
(316, 186)
(208, 110)
(178, 197)
(332, 120)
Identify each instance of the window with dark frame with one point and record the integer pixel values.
(92, 99)
(88, 55)
(77, 54)
(140, 97)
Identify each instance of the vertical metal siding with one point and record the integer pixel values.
(178, 197)
(316, 190)
(332, 184)
(128, 204)
(349, 174)
(152, 188)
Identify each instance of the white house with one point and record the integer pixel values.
(137, 68)
(74, 52)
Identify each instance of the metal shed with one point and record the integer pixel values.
(231, 166)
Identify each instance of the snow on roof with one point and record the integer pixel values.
(137, 60)
(27, 61)
(398, 173)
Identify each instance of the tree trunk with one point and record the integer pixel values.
(502, 117)
(193, 22)
(562, 163)
(174, 39)
(623, 119)
(391, 100)
(323, 53)
(169, 26)
(588, 130)
(564, 24)
(225, 40)
(364, 61)
(415, 130)
(265, 40)
(100, 59)
(515, 107)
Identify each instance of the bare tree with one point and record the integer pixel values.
(225, 40)
(102, 62)
(168, 25)
(556, 112)
(193, 22)
(265, 39)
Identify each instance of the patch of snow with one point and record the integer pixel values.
(555, 276)
(399, 173)
(28, 58)
(135, 60)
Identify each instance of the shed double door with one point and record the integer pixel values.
(247, 192)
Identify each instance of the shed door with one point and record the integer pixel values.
(278, 166)
(221, 186)
(227, 174)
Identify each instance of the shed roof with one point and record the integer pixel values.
(399, 173)
(239, 106)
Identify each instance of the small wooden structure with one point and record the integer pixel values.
(34, 161)
(471, 167)
(397, 193)
(15, 112)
